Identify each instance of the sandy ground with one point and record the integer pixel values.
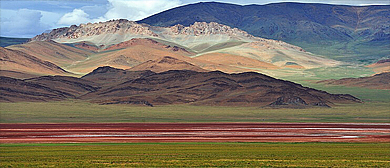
(194, 132)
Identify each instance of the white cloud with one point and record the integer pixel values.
(25, 22)
(77, 16)
(137, 9)
(95, 11)
(118, 9)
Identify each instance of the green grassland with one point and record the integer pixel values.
(78, 111)
(196, 155)
(367, 95)
(309, 78)
(376, 108)
(359, 51)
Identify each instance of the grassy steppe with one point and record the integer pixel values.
(77, 111)
(196, 154)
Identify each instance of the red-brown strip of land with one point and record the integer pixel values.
(194, 132)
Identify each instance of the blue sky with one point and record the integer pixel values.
(28, 18)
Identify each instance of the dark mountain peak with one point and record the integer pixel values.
(170, 60)
(318, 28)
(170, 87)
(206, 88)
(105, 69)
(211, 3)
(108, 76)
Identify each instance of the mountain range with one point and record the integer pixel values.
(107, 85)
(212, 46)
(348, 33)
(203, 57)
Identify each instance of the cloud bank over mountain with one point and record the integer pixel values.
(29, 18)
(25, 22)
(28, 23)
(120, 9)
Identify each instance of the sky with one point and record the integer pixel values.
(28, 18)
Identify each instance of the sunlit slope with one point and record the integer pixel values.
(165, 64)
(278, 55)
(125, 44)
(12, 61)
(235, 60)
(60, 54)
(381, 66)
(125, 58)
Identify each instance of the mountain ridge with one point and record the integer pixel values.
(170, 87)
(324, 29)
(200, 38)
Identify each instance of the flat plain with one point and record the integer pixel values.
(194, 132)
(84, 112)
(196, 155)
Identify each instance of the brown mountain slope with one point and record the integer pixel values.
(139, 51)
(70, 85)
(42, 88)
(150, 43)
(235, 60)
(86, 46)
(60, 54)
(165, 64)
(214, 88)
(197, 39)
(381, 66)
(126, 58)
(378, 81)
(18, 61)
(170, 87)
(17, 75)
(109, 76)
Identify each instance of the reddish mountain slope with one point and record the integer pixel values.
(60, 54)
(150, 43)
(18, 61)
(381, 66)
(165, 64)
